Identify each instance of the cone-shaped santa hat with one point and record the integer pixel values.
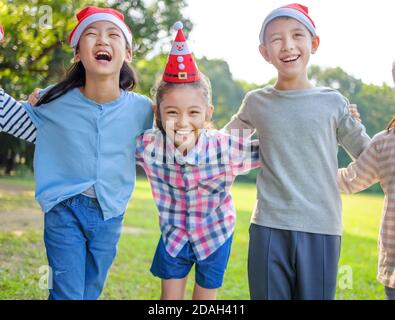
(181, 66)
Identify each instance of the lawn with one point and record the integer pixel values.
(22, 252)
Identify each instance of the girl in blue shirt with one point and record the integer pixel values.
(86, 128)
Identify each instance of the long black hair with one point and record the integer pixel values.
(75, 78)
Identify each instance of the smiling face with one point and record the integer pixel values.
(288, 45)
(102, 49)
(184, 112)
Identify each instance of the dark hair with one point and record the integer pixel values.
(391, 125)
(164, 87)
(75, 78)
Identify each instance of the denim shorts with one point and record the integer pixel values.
(209, 273)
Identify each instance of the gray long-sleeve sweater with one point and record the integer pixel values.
(299, 133)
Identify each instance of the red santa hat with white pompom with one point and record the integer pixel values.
(92, 14)
(1, 33)
(181, 66)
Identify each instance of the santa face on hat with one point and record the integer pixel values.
(102, 49)
(288, 46)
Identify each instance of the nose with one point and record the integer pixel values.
(101, 40)
(182, 121)
(288, 44)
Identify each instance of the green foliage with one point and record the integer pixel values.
(36, 56)
(36, 52)
(376, 104)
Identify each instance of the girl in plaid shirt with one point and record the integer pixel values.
(191, 170)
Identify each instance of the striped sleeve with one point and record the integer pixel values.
(14, 119)
(361, 173)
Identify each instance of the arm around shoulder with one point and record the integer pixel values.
(351, 134)
(241, 123)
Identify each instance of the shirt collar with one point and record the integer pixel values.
(194, 157)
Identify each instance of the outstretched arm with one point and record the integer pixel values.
(244, 154)
(14, 119)
(362, 173)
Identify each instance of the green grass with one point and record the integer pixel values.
(22, 255)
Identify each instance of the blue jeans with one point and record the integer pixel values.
(81, 247)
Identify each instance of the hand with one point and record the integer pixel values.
(34, 97)
(353, 109)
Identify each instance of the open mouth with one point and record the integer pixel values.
(103, 55)
(291, 59)
(183, 132)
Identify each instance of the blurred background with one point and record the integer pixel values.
(355, 57)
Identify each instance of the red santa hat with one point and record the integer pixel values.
(90, 14)
(181, 66)
(295, 11)
(1, 33)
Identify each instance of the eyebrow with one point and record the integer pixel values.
(279, 33)
(108, 29)
(175, 107)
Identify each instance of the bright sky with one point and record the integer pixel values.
(357, 35)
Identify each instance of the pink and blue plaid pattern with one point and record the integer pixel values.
(192, 192)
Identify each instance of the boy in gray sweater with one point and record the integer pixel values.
(296, 227)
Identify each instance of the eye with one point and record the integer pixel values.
(299, 35)
(115, 35)
(195, 112)
(171, 113)
(274, 40)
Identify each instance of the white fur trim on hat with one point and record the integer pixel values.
(286, 12)
(100, 17)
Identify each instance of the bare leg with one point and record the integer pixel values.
(200, 293)
(173, 289)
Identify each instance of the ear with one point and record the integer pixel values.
(155, 109)
(77, 57)
(264, 52)
(129, 55)
(209, 112)
(315, 43)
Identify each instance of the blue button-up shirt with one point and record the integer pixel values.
(81, 143)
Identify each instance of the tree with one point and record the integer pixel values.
(36, 51)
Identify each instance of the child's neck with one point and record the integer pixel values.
(297, 83)
(101, 90)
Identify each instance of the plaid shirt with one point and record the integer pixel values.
(192, 192)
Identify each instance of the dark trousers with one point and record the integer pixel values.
(389, 293)
(285, 265)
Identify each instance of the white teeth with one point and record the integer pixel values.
(103, 52)
(293, 58)
(183, 132)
